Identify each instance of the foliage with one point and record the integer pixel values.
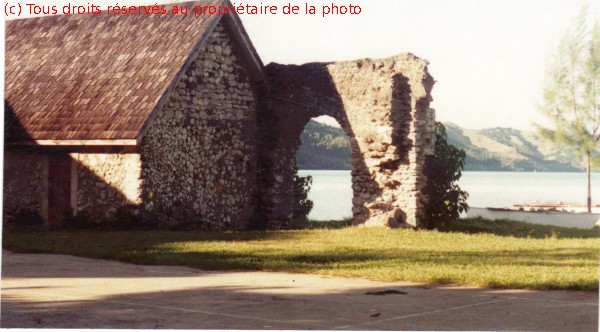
(24, 219)
(571, 95)
(446, 201)
(543, 261)
(80, 220)
(302, 205)
(126, 217)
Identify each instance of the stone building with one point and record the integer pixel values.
(175, 117)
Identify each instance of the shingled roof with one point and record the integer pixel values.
(79, 79)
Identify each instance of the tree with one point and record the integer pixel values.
(571, 94)
(446, 201)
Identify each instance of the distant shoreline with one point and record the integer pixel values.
(481, 171)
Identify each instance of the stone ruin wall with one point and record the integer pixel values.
(106, 181)
(210, 160)
(24, 185)
(386, 104)
(199, 156)
(383, 106)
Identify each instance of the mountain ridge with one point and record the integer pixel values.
(492, 149)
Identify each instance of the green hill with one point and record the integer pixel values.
(507, 149)
(323, 147)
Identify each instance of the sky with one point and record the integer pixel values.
(488, 57)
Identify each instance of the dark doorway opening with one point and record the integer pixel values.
(59, 188)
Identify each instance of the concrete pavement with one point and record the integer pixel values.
(57, 291)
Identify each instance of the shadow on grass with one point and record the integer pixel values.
(518, 229)
(501, 264)
(421, 256)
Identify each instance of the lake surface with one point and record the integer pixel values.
(332, 190)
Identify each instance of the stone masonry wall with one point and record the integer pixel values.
(102, 182)
(197, 166)
(199, 157)
(383, 106)
(24, 186)
(392, 131)
(107, 181)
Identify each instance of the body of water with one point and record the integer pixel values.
(331, 193)
(332, 190)
(504, 189)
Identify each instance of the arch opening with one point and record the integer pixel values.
(383, 108)
(324, 155)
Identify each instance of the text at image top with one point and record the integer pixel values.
(17, 9)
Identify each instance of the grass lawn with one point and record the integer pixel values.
(498, 254)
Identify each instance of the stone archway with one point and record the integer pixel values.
(383, 107)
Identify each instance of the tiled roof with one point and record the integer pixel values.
(95, 77)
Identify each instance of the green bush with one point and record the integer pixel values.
(27, 217)
(80, 221)
(302, 205)
(127, 217)
(446, 200)
(24, 220)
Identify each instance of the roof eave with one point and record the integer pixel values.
(89, 142)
